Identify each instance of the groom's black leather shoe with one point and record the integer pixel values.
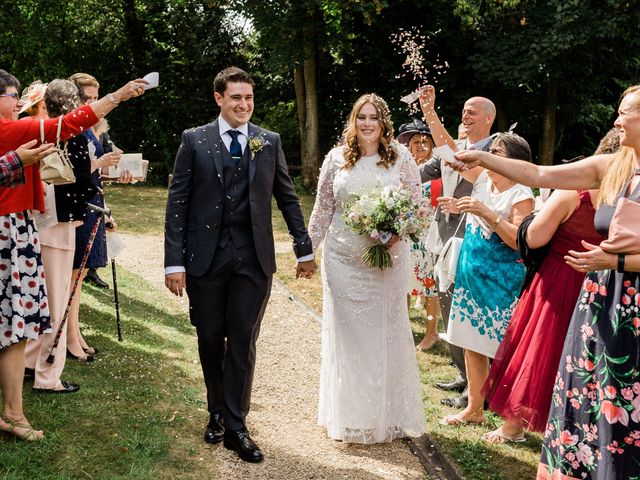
(214, 433)
(458, 385)
(240, 442)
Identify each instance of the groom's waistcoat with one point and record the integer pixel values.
(236, 213)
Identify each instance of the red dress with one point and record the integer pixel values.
(522, 375)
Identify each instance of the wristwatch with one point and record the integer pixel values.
(112, 98)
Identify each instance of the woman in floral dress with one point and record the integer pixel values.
(593, 431)
(417, 137)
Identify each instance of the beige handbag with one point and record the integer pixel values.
(56, 167)
(624, 230)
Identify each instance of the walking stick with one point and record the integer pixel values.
(115, 297)
(92, 236)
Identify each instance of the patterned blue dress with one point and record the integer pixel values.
(489, 275)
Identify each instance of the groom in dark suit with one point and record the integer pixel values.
(219, 246)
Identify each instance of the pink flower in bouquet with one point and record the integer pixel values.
(374, 235)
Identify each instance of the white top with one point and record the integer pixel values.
(499, 202)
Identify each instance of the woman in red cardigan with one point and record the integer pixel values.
(24, 312)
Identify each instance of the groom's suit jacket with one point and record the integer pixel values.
(194, 217)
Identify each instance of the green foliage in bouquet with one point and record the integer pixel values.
(383, 212)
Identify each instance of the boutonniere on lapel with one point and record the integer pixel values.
(256, 143)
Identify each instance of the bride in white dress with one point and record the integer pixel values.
(370, 389)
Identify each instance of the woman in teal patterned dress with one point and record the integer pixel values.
(593, 431)
(490, 273)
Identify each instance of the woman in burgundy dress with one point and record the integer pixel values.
(522, 374)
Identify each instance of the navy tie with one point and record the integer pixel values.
(235, 149)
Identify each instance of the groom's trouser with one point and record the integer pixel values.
(228, 302)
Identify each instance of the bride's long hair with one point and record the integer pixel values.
(352, 150)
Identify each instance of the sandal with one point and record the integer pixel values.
(29, 435)
(457, 420)
(496, 437)
(423, 348)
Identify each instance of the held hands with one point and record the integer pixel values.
(29, 155)
(448, 204)
(176, 282)
(306, 269)
(110, 159)
(474, 207)
(591, 260)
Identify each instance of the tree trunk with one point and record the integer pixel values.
(298, 77)
(548, 147)
(136, 35)
(311, 147)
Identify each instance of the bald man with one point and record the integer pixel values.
(478, 114)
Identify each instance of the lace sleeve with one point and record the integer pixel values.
(409, 173)
(325, 205)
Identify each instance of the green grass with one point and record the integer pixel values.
(140, 411)
(137, 208)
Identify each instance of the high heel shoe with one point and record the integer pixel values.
(88, 358)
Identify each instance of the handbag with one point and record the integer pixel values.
(624, 230)
(56, 167)
(447, 264)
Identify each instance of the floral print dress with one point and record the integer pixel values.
(489, 275)
(423, 282)
(593, 430)
(24, 310)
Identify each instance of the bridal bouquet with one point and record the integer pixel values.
(380, 214)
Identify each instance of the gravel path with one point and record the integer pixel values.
(285, 395)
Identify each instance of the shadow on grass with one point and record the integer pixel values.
(139, 307)
(481, 461)
(135, 401)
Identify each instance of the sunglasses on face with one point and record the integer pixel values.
(15, 96)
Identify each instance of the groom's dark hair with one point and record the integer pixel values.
(231, 74)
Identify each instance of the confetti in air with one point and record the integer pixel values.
(419, 65)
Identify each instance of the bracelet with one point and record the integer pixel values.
(112, 98)
(497, 223)
(620, 268)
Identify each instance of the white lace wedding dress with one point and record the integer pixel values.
(370, 389)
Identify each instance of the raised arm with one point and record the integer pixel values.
(73, 123)
(583, 175)
(325, 205)
(439, 133)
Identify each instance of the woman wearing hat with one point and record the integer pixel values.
(417, 137)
